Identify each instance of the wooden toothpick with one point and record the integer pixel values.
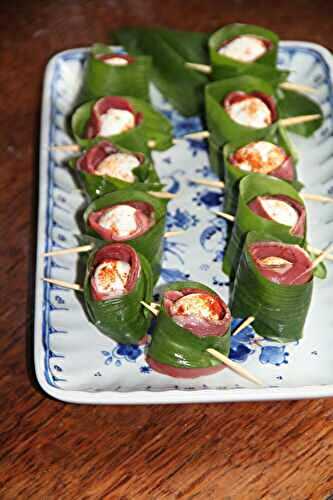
(64, 251)
(64, 284)
(307, 196)
(150, 307)
(197, 136)
(234, 366)
(87, 248)
(66, 148)
(317, 197)
(164, 195)
(207, 182)
(322, 256)
(286, 122)
(298, 87)
(229, 217)
(202, 68)
(244, 325)
(317, 251)
(170, 234)
(296, 120)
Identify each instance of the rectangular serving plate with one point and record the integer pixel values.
(74, 362)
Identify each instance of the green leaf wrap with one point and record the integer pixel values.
(295, 104)
(103, 79)
(175, 346)
(147, 179)
(250, 187)
(279, 310)
(154, 126)
(150, 244)
(265, 67)
(233, 175)
(170, 50)
(221, 127)
(123, 319)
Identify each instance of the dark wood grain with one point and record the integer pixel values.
(48, 449)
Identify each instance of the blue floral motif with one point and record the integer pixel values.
(172, 182)
(173, 275)
(274, 355)
(217, 281)
(212, 239)
(240, 348)
(181, 219)
(205, 171)
(195, 146)
(208, 198)
(174, 248)
(127, 352)
(145, 369)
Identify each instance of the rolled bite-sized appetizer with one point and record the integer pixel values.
(123, 221)
(117, 279)
(192, 319)
(113, 73)
(239, 49)
(239, 111)
(105, 167)
(281, 209)
(264, 157)
(265, 204)
(253, 109)
(274, 284)
(126, 121)
(273, 156)
(130, 216)
(112, 116)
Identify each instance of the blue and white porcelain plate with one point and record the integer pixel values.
(75, 362)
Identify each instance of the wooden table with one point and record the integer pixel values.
(48, 450)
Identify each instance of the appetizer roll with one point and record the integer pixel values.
(133, 217)
(126, 121)
(265, 157)
(252, 109)
(274, 284)
(110, 73)
(244, 49)
(117, 279)
(239, 110)
(265, 204)
(192, 319)
(105, 167)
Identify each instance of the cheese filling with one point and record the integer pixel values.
(120, 220)
(261, 156)
(110, 277)
(274, 262)
(244, 48)
(280, 211)
(119, 165)
(199, 305)
(250, 112)
(115, 121)
(116, 61)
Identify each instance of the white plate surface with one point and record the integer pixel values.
(76, 363)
